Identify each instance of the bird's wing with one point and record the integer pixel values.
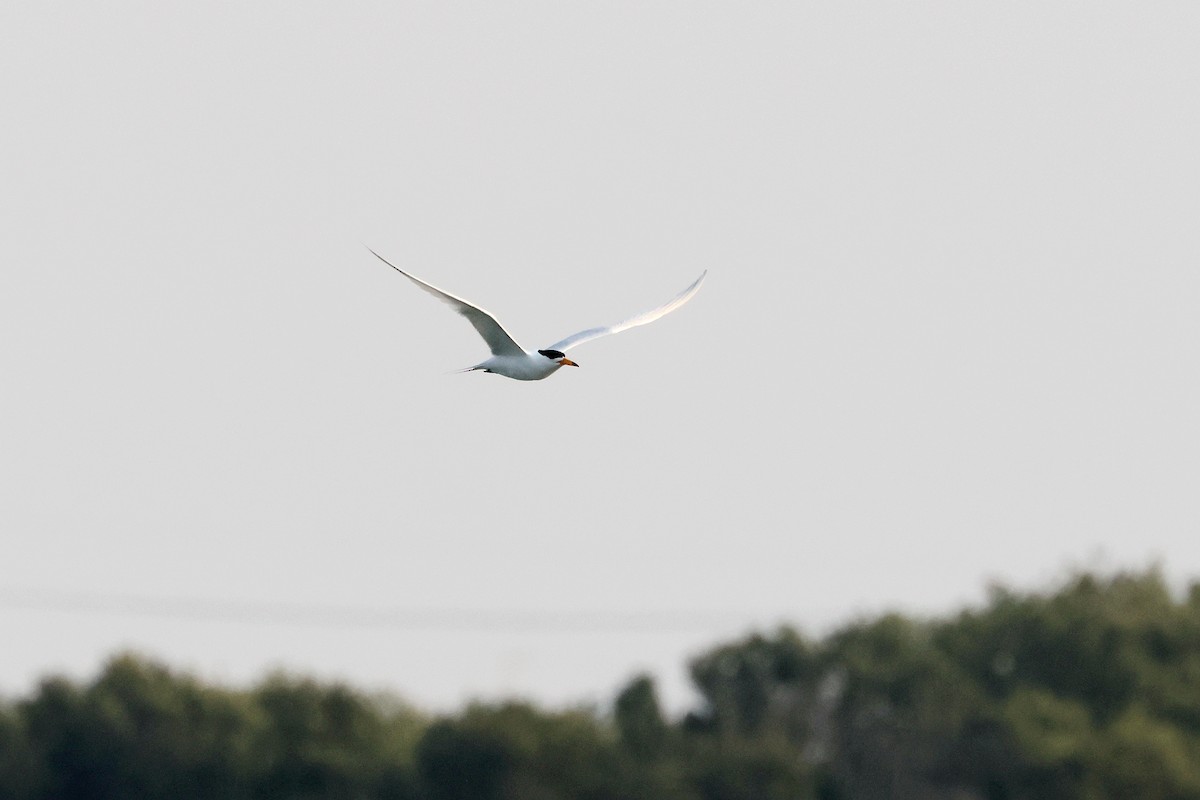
(576, 339)
(496, 337)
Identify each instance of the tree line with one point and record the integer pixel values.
(1089, 691)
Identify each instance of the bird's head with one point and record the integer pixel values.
(558, 358)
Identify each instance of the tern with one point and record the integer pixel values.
(513, 361)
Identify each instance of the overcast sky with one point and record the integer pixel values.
(950, 333)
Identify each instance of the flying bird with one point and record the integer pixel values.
(513, 361)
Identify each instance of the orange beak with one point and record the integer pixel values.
(566, 362)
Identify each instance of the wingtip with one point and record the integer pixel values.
(384, 260)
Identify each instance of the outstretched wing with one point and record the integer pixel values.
(496, 337)
(576, 339)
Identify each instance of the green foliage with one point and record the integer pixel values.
(328, 741)
(1090, 692)
(758, 685)
(19, 769)
(516, 751)
(736, 768)
(142, 731)
(1140, 756)
(639, 719)
(137, 731)
(1048, 730)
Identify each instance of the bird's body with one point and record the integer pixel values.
(513, 361)
(527, 367)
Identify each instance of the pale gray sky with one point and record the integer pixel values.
(950, 331)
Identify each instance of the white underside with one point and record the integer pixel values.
(527, 367)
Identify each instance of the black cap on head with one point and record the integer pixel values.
(553, 355)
